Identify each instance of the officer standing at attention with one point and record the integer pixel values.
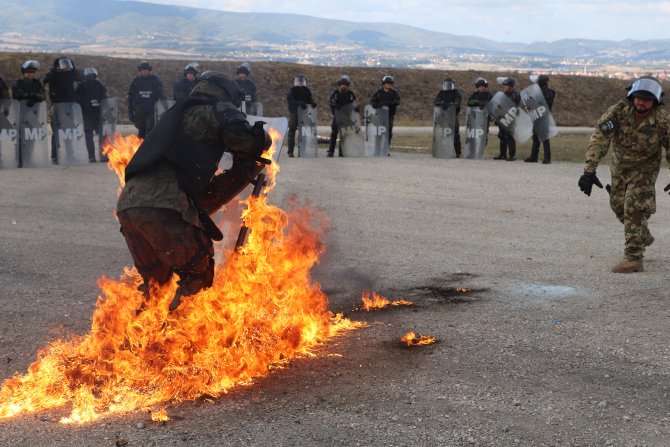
(183, 86)
(247, 86)
(389, 97)
(549, 95)
(637, 129)
(90, 94)
(448, 96)
(61, 79)
(298, 96)
(339, 97)
(145, 90)
(507, 140)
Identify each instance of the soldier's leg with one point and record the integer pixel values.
(90, 145)
(292, 127)
(54, 139)
(639, 205)
(149, 122)
(534, 149)
(333, 137)
(391, 120)
(457, 139)
(546, 145)
(511, 144)
(140, 123)
(503, 145)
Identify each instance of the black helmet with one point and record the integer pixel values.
(64, 64)
(481, 81)
(219, 86)
(388, 79)
(90, 71)
(448, 84)
(300, 81)
(543, 80)
(192, 68)
(508, 81)
(646, 87)
(244, 68)
(344, 80)
(30, 66)
(144, 65)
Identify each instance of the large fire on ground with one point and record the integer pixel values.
(262, 311)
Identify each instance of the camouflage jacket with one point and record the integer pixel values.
(633, 147)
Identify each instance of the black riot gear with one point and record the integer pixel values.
(217, 85)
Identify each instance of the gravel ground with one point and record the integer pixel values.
(547, 349)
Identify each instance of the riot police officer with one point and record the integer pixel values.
(90, 94)
(298, 96)
(480, 97)
(549, 95)
(247, 86)
(389, 97)
(183, 86)
(507, 141)
(447, 97)
(341, 96)
(28, 88)
(61, 80)
(172, 186)
(145, 90)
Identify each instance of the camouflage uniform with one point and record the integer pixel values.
(637, 145)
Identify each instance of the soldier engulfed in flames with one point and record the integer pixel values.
(262, 310)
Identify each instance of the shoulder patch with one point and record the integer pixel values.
(609, 126)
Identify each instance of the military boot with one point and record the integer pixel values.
(629, 266)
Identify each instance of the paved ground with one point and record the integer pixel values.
(548, 349)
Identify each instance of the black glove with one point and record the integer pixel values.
(586, 182)
(30, 102)
(314, 105)
(667, 188)
(303, 106)
(445, 106)
(357, 109)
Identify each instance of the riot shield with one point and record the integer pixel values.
(229, 219)
(376, 131)
(68, 123)
(161, 106)
(476, 132)
(351, 134)
(109, 110)
(307, 127)
(544, 125)
(254, 108)
(511, 117)
(9, 141)
(444, 130)
(33, 129)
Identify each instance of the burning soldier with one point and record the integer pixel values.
(638, 129)
(172, 189)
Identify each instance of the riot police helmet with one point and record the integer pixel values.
(388, 79)
(344, 80)
(90, 72)
(481, 82)
(30, 66)
(300, 81)
(217, 85)
(245, 68)
(448, 84)
(646, 87)
(64, 64)
(144, 65)
(193, 67)
(508, 81)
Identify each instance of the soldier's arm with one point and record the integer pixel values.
(600, 140)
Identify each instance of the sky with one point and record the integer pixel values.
(500, 20)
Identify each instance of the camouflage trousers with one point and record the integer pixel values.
(633, 200)
(162, 243)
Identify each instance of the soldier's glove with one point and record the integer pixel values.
(30, 102)
(667, 188)
(445, 106)
(314, 105)
(303, 106)
(357, 109)
(586, 182)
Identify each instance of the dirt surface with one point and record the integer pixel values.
(547, 349)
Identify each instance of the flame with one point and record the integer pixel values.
(160, 415)
(262, 311)
(412, 339)
(379, 302)
(462, 290)
(120, 150)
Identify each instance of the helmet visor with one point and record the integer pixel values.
(448, 85)
(646, 88)
(65, 64)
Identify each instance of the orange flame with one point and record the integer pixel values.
(160, 415)
(379, 302)
(412, 339)
(120, 150)
(262, 311)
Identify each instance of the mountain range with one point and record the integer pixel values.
(113, 27)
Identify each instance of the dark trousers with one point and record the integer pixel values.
(90, 144)
(292, 127)
(507, 142)
(144, 123)
(535, 149)
(334, 130)
(162, 243)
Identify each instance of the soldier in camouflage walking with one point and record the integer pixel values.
(638, 130)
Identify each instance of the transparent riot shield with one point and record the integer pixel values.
(33, 141)
(9, 141)
(161, 106)
(351, 133)
(476, 132)
(511, 117)
(544, 125)
(308, 143)
(68, 124)
(376, 131)
(229, 218)
(254, 108)
(109, 111)
(444, 130)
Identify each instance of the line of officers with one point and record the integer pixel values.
(81, 108)
(518, 116)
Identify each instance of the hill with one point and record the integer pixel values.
(580, 100)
